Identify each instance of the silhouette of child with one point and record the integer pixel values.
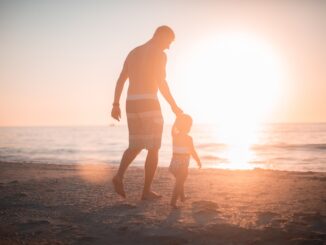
(183, 148)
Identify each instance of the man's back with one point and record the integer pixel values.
(146, 68)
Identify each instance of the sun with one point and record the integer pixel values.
(234, 80)
(234, 75)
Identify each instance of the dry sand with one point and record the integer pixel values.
(60, 204)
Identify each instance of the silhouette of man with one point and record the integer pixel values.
(145, 68)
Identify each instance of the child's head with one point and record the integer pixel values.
(183, 123)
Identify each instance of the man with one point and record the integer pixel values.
(145, 68)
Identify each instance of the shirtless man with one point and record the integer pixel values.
(145, 68)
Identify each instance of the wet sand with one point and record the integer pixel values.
(75, 204)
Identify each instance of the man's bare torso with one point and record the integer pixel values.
(146, 68)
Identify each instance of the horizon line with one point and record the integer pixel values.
(125, 124)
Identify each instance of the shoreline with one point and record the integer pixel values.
(76, 204)
(141, 166)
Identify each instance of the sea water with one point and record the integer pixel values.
(293, 147)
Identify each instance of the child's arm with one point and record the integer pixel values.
(194, 153)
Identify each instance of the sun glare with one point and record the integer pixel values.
(237, 78)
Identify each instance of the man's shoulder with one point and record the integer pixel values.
(147, 51)
(133, 52)
(139, 50)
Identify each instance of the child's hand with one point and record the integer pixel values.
(199, 165)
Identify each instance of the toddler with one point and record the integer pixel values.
(183, 149)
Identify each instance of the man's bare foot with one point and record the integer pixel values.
(150, 196)
(173, 204)
(118, 186)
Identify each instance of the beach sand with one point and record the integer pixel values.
(75, 204)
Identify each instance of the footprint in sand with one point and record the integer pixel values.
(205, 211)
(124, 206)
(314, 220)
(161, 239)
(33, 226)
(265, 218)
(86, 239)
(20, 195)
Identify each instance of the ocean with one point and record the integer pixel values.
(292, 147)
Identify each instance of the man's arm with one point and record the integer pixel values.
(164, 87)
(165, 91)
(116, 112)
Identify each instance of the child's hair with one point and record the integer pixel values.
(183, 123)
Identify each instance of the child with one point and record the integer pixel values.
(183, 148)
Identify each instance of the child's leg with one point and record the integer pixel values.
(174, 196)
(176, 190)
(183, 180)
(182, 194)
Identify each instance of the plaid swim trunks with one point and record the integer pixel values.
(145, 121)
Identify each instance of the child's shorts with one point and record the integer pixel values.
(179, 163)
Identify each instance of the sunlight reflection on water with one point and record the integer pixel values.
(239, 139)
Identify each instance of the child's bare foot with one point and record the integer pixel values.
(174, 206)
(150, 196)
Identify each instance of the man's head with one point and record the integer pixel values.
(163, 37)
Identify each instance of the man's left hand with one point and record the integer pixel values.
(116, 113)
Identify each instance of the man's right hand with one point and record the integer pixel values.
(116, 113)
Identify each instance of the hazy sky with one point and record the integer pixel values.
(59, 60)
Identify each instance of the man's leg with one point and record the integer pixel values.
(127, 158)
(150, 168)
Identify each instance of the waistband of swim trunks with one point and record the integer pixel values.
(177, 155)
(180, 150)
(141, 97)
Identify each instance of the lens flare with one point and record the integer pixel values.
(95, 173)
